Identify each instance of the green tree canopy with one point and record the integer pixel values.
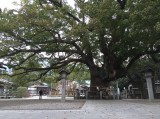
(99, 34)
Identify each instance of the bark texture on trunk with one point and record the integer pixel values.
(98, 78)
(101, 77)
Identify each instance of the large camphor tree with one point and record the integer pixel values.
(107, 36)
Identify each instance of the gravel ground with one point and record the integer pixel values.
(92, 109)
(143, 101)
(45, 104)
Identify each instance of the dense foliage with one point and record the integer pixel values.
(99, 34)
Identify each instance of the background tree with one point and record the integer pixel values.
(80, 73)
(21, 92)
(100, 35)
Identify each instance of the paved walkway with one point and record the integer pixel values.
(94, 109)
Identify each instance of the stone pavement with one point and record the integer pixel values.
(94, 109)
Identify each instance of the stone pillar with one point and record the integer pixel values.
(113, 91)
(150, 88)
(63, 90)
(86, 94)
(148, 75)
(101, 95)
(63, 74)
(118, 92)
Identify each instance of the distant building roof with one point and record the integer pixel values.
(39, 85)
(35, 86)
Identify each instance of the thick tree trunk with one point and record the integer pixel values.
(98, 78)
(101, 77)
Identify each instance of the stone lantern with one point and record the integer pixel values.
(148, 76)
(63, 73)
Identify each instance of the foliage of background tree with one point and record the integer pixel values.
(21, 92)
(21, 78)
(99, 34)
(80, 73)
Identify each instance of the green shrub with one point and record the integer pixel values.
(21, 92)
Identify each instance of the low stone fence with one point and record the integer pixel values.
(92, 95)
(5, 97)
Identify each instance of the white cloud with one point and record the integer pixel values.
(8, 4)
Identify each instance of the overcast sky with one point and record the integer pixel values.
(8, 3)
